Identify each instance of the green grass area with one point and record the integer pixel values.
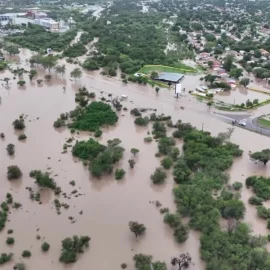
(263, 122)
(182, 68)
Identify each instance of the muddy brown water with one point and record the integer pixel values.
(107, 205)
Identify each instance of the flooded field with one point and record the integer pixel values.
(107, 205)
(240, 95)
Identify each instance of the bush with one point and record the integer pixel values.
(119, 174)
(26, 254)
(22, 137)
(45, 246)
(11, 149)
(5, 257)
(19, 124)
(10, 241)
(159, 176)
(19, 266)
(148, 139)
(167, 163)
(13, 172)
(172, 220)
(254, 200)
(181, 233)
(159, 130)
(72, 246)
(94, 116)
(237, 185)
(142, 121)
(98, 133)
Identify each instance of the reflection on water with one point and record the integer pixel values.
(107, 205)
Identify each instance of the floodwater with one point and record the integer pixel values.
(240, 95)
(107, 205)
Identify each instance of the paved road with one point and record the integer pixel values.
(251, 123)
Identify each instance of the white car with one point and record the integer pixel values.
(242, 123)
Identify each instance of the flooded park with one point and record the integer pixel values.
(102, 208)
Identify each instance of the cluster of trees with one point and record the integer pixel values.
(260, 186)
(75, 50)
(93, 116)
(43, 179)
(101, 157)
(199, 172)
(37, 38)
(71, 247)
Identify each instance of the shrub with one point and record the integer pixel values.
(19, 266)
(172, 220)
(19, 124)
(119, 174)
(10, 231)
(13, 172)
(123, 265)
(5, 257)
(159, 176)
(148, 139)
(98, 133)
(26, 254)
(237, 185)
(22, 137)
(45, 246)
(254, 200)
(10, 241)
(142, 121)
(94, 116)
(181, 233)
(11, 149)
(72, 246)
(59, 123)
(167, 163)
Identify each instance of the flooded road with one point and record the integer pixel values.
(107, 205)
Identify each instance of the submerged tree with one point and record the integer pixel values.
(261, 156)
(182, 262)
(60, 69)
(11, 149)
(76, 73)
(13, 172)
(136, 228)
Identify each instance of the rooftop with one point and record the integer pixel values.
(170, 77)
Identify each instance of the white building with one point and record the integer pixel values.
(48, 23)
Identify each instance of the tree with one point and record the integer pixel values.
(11, 49)
(32, 74)
(136, 228)
(60, 69)
(48, 77)
(71, 247)
(13, 172)
(166, 163)
(76, 73)
(244, 82)
(11, 149)
(119, 174)
(209, 104)
(228, 62)
(19, 124)
(261, 156)
(210, 64)
(48, 62)
(45, 246)
(6, 80)
(182, 262)
(157, 89)
(134, 151)
(236, 73)
(21, 83)
(153, 75)
(159, 176)
(131, 163)
(39, 81)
